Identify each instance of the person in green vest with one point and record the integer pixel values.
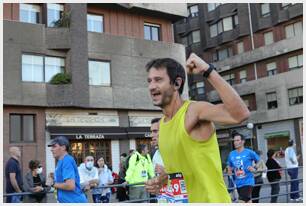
(140, 169)
(187, 135)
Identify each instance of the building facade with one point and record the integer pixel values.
(105, 108)
(257, 48)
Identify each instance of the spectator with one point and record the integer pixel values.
(13, 177)
(292, 164)
(35, 181)
(260, 169)
(273, 176)
(89, 177)
(140, 169)
(122, 191)
(103, 195)
(157, 161)
(66, 176)
(240, 161)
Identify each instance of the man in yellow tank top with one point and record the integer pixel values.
(187, 135)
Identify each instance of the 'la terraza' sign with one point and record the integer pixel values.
(89, 136)
(101, 136)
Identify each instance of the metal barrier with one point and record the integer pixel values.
(286, 182)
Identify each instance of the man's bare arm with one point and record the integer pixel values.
(69, 184)
(14, 182)
(232, 111)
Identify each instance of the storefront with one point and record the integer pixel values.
(97, 133)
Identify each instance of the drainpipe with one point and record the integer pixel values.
(252, 37)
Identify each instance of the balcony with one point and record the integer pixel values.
(261, 53)
(58, 38)
(280, 84)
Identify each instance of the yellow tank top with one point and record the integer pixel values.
(198, 161)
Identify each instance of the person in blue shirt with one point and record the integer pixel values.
(66, 177)
(240, 164)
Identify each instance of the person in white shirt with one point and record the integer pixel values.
(157, 159)
(292, 164)
(103, 195)
(89, 178)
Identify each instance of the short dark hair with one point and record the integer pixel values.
(155, 120)
(33, 164)
(235, 133)
(123, 154)
(290, 142)
(174, 69)
(270, 153)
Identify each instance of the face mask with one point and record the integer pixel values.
(39, 170)
(89, 165)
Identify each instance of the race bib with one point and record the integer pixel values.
(175, 191)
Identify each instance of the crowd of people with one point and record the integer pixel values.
(184, 143)
(246, 171)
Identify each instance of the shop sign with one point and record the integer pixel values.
(89, 136)
(141, 121)
(55, 119)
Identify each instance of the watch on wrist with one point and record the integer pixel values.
(209, 70)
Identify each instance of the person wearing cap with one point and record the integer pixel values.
(66, 176)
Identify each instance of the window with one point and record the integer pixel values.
(96, 148)
(22, 128)
(243, 76)
(236, 22)
(94, 23)
(240, 47)
(213, 30)
(230, 78)
(271, 69)
(200, 87)
(295, 62)
(265, 10)
(295, 96)
(32, 68)
(193, 11)
(55, 12)
(99, 73)
(271, 100)
(268, 38)
(227, 23)
(223, 54)
(29, 13)
(295, 29)
(35, 70)
(247, 103)
(213, 6)
(196, 36)
(152, 32)
(53, 66)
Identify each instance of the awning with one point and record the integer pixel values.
(84, 133)
(282, 134)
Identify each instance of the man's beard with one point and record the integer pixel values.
(165, 100)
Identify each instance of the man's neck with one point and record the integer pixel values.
(240, 149)
(170, 110)
(62, 156)
(15, 157)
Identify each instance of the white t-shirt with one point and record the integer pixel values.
(290, 154)
(157, 159)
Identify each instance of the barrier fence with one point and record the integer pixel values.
(285, 182)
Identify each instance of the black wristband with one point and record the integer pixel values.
(209, 70)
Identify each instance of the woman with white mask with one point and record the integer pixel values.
(103, 195)
(35, 182)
